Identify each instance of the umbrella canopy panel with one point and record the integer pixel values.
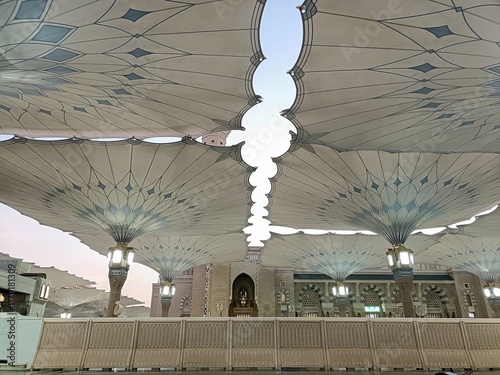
(121, 69)
(480, 256)
(171, 255)
(335, 255)
(391, 194)
(127, 188)
(399, 76)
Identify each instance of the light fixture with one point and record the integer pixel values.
(400, 257)
(340, 290)
(65, 315)
(44, 292)
(492, 292)
(168, 289)
(120, 255)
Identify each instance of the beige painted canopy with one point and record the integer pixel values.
(96, 69)
(127, 188)
(485, 226)
(480, 256)
(337, 256)
(399, 75)
(391, 194)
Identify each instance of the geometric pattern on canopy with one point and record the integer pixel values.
(100, 69)
(334, 255)
(480, 256)
(127, 188)
(399, 76)
(391, 194)
(171, 255)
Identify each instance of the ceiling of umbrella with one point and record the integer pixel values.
(335, 255)
(399, 76)
(484, 226)
(81, 304)
(58, 278)
(391, 194)
(67, 298)
(171, 255)
(121, 69)
(480, 256)
(127, 188)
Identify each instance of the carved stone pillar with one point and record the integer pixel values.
(117, 277)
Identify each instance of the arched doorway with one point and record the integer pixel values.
(243, 303)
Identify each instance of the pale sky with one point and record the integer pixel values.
(266, 136)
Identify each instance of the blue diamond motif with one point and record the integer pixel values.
(60, 70)
(423, 207)
(397, 206)
(342, 195)
(112, 209)
(101, 185)
(375, 210)
(128, 187)
(80, 109)
(134, 15)
(357, 190)
(411, 206)
(30, 9)
(139, 52)
(423, 90)
(99, 210)
(496, 127)
(60, 55)
(151, 191)
(439, 31)
(102, 101)
(447, 115)
(51, 34)
(133, 76)
(424, 68)
(462, 186)
(431, 105)
(46, 112)
(385, 208)
(181, 200)
(169, 195)
(121, 91)
(126, 209)
(465, 123)
(397, 182)
(375, 185)
(424, 180)
(330, 201)
(495, 69)
(138, 211)
(77, 187)
(60, 191)
(446, 183)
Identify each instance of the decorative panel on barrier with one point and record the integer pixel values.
(301, 343)
(110, 343)
(443, 344)
(395, 343)
(62, 344)
(484, 343)
(347, 344)
(253, 344)
(205, 344)
(158, 344)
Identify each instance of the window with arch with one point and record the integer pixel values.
(434, 307)
(372, 299)
(311, 304)
(186, 307)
